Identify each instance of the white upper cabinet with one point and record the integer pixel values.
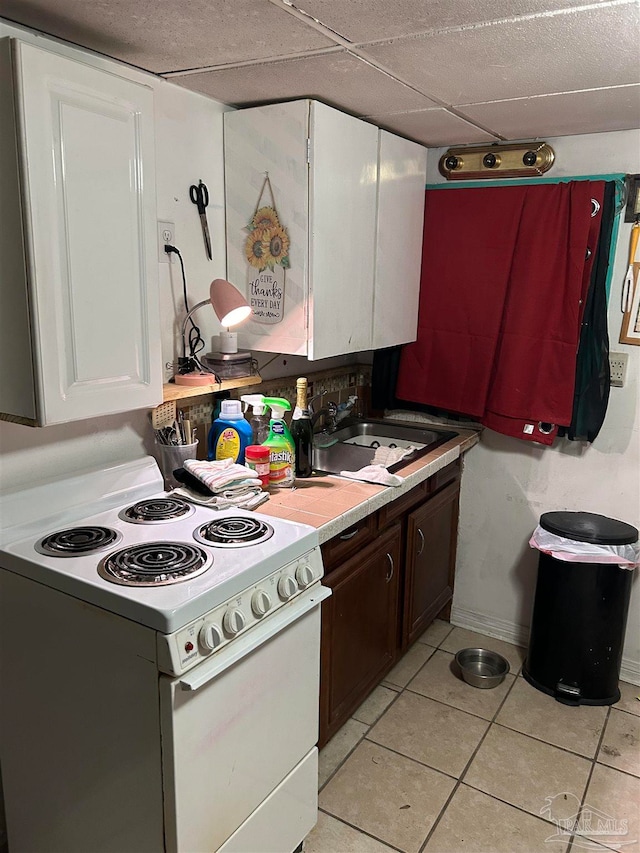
(402, 169)
(322, 178)
(351, 200)
(80, 331)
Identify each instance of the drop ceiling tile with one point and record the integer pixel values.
(339, 79)
(587, 49)
(368, 20)
(593, 111)
(165, 35)
(433, 127)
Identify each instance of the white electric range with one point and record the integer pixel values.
(164, 663)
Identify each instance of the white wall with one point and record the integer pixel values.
(508, 483)
(188, 147)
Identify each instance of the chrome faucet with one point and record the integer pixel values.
(333, 413)
(329, 412)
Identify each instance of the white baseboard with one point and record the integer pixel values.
(630, 671)
(514, 632)
(490, 626)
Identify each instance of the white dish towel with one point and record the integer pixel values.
(374, 474)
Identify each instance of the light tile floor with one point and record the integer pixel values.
(429, 764)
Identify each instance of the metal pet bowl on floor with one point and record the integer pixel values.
(481, 667)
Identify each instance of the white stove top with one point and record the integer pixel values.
(163, 608)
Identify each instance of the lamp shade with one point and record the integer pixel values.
(229, 304)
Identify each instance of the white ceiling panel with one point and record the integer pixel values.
(561, 115)
(433, 127)
(168, 35)
(336, 78)
(540, 55)
(370, 20)
(402, 61)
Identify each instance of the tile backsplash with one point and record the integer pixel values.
(338, 384)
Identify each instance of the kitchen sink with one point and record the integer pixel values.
(353, 445)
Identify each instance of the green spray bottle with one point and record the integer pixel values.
(282, 465)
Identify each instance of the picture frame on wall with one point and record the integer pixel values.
(630, 330)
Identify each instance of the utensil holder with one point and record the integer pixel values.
(172, 456)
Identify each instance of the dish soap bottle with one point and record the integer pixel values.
(230, 433)
(257, 418)
(302, 431)
(280, 444)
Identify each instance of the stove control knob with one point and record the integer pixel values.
(234, 620)
(210, 636)
(260, 603)
(304, 575)
(287, 587)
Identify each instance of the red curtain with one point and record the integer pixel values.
(505, 272)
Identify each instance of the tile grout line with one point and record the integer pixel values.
(511, 805)
(409, 758)
(360, 830)
(399, 690)
(455, 707)
(548, 743)
(398, 693)
(591, 769)
(464, 771)
(359, 741)
(340, 764)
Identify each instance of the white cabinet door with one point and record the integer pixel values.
(259, 141)
(322, 167)
(401, 188)
(85, 138)
(344, 154)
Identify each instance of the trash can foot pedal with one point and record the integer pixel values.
(567, 694)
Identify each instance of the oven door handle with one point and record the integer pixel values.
(259, 634)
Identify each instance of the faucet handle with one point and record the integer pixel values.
(311, 400)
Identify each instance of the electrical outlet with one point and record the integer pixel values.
(166, 234)
(618, 367)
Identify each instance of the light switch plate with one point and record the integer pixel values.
(618, 367)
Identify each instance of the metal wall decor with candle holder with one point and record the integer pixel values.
(267, 252)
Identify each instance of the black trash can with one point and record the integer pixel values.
(579, 614)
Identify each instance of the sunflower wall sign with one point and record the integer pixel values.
(267, 250)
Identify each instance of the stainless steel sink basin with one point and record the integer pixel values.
(353, 445)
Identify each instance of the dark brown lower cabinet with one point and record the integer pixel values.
(429, 567)
(391, 575)
(359, 629)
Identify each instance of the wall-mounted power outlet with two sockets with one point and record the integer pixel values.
(618, 368)
(166, 234)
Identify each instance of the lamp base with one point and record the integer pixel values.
(194, 379)
(229, 365)
(228, 342)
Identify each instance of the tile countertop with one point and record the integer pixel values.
(333, 504)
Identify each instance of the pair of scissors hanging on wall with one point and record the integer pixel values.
(199, 195)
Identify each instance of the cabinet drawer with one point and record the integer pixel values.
(349, 542)
(399, 506)
(450, 474)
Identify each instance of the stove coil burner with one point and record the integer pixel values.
(234, 532)
(76, 541)
(157, 510)
(154, 564)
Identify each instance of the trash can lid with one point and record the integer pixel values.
(589, 527)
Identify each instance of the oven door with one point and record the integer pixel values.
(235, 727)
